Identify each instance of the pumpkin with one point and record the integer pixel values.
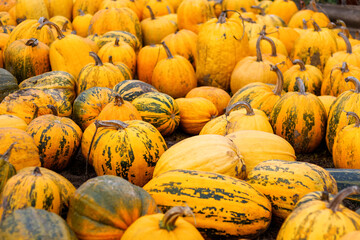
(237, 5)
(221, 44)
(351, 235)
(252, 69)
(124, 69)
(63, 22)
(327, 101)
(283, 8)
(193, 13)
(25, 58)
(296, 21)
(7, 29)
(147, 59)
(284, 183)
(4, 37)
(131, 89)
(8, 120)
(8, 83)
(317, 195)
(87, 6)
(266, 46)
(232, 121)
(212, 153)
(89, 103)
(170, 225)
(114, 4)
(306, 220)
(195, 113)
(140, 144)
(123, 36)
(286, 35)
(269, 20)
(7, 170)
(59, 8)
(25, 10)
(81, 23)
(36, 187)
(224, 207)
(100, 208)
(6, 5)
(159, 8)
(6, 19)
(32, 223)
(174, 75)
(347, 101)
(160, 110)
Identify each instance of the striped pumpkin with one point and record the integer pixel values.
(224, 207)
(160, 110)
(131, 89)
(7, 170)
(123, 36)
(285, 182)
(8, 83)
(313, 196)
(36, 187)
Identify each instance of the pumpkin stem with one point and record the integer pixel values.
(246, 105)
(258, 50)
(344, 68)
(324, 196)
(347, 42)
(262, 11)
(243, 9)
(316, 26)
(81, 12)
(117, 40)
(170, 217)
(33, 42)
(98, 61)
(331, 25)
(118, 100)
(300, 85)
(168, 9)
(65, 25)
(335, 203)
(6, 155)
(37, 172)
(355, 81)
(304, 22)
(357, 119)
(59, 32)
(222, 17)
(53, 109)
(273, 47)
(280, 80)
(340, 22)
(167, 50)
(300, 63)
(111, 60)
(152, 15)
(42, 20)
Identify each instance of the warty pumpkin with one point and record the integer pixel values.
(8, 120)
(224, 207)
(7, 170)
(101, 207)
(174, 75)
(212, 153)
(81, 23)
(221, 44)
(159, 8)
(131, 89)
(36, 187)
(300, 118)
(284, 183)
(8, 83)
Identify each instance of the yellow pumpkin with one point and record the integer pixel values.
(8, 120)
(283, 8)
(159, 8)
(81, 24)
(59, 8)
(25, 9)
(327, 100)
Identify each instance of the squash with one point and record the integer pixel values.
(123, 36)
(128, 149)
(7, 170)
(160, 110)
(307, 220)
(212, 153)
(36, 187)
(174, 75)
(170, 225)
(32, 223)
(300, 118)
(8, 83)
(131, 89)
(286, 182)
(269, 20)
(100, 207)
(159, 8)
(266, 46)
(284, 9)
(327, 101)
(81, 23)
(25, 10)
(224, 207)
(124, 69)
(87, 6)
(8, 120)
(63, 23)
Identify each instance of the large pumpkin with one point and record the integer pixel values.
(8, 120)
(25, 9)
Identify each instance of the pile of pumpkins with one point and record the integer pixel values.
(252, 83)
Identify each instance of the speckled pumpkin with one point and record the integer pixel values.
(123, 36)
(131, 89)
(7, 170)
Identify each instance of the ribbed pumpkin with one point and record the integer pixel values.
(174, 75)
(159, 8)
(57, 139)
(193, 13)
(36, 187)
(8, 83)
(307, 221)
(8, 120)
(286, 182)
(59, 8)
(123, 36)
(147, 59)
(25, 58)
(160, 110)
(212, 153)
(260, 95)
(221, 44)
(87, 6)
(311, 76)
(195, 113)
(269, 20)
(89, 104)
(243, 119)
(63, 23)
(286, 35)
(347, 101)
(283, 8)
(128, 149)
(131, 89)
(81, 23)
(103, 207)
(25, 9)
(308, 15)
(224, 207)
(252, 69)
(7, 170)
(300, 118)
(124, 69)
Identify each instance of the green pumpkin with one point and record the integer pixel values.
(8, 83)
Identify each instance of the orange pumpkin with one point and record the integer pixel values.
(159, 8)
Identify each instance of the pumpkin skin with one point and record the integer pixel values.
(131, 89)
(283, 8)
(160, 110)
(89, 103)
(237, 5)
(300, 118)
(218, 39)
(283, 183)
(25, 58)
(140, 143)
(100, 208)
(6, 5)
(59, 8)
(286, 35)
(123, 36)
(8, 83)
(6, 19)
(159, 8)
(306, 220)
(7, 170)
(81, 24)
(8, 120)
(201, 191)
(57, 139)
(86, 6)
(212, 153)
(296, 20)
(36, 187)
(327, 101)
(195, 113)
(25, 10)
(351, 235)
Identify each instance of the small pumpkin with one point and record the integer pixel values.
(131, 89)
(159, 8)
(296, 21)
(7, 170)
(81, 23)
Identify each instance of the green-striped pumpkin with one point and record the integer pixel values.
(317, 195)
(123, 36)
(8, 83)
(160, 110)
(7, 170)
(89, 103)
(285, 182)
(31, 223)
(60, 85)
(224, 207)
(131, 89)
